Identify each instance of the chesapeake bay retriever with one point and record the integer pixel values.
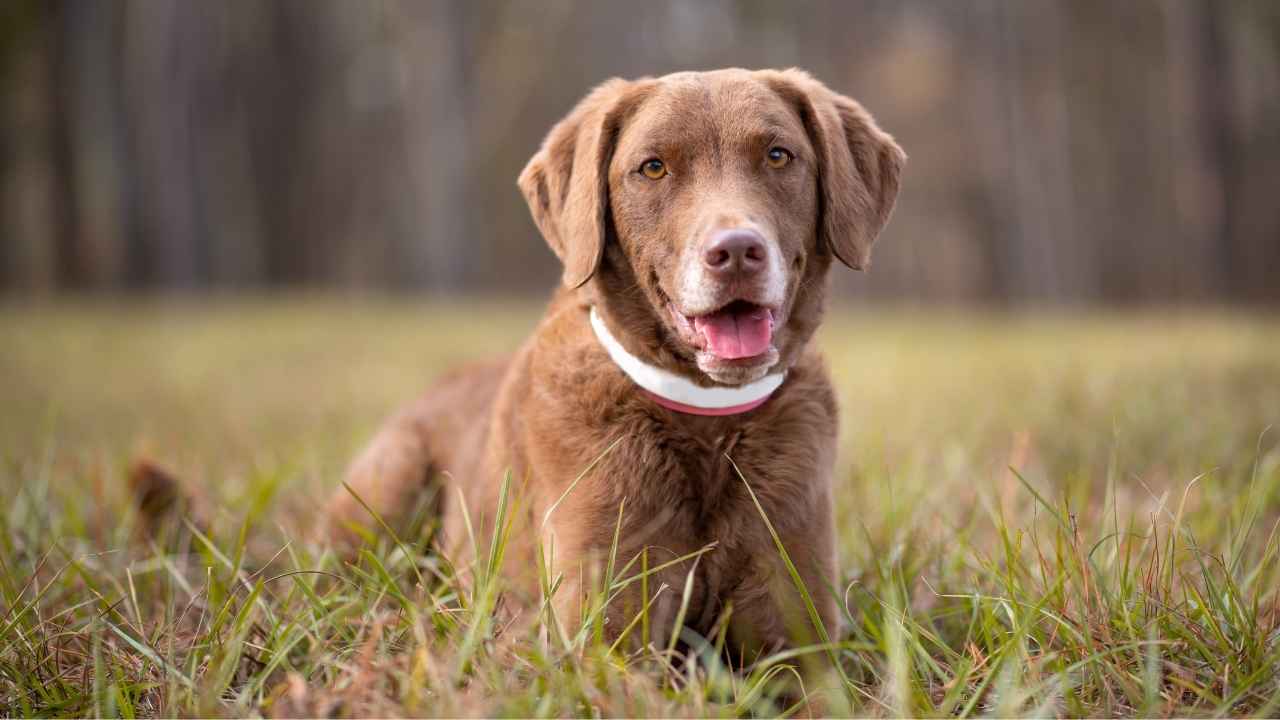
(696, 216)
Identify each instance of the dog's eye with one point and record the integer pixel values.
(778, 157)
(653, 168)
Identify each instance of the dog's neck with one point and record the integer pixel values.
(680, 394)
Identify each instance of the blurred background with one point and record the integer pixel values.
(1080, 153)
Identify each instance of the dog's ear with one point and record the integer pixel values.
(567, 182)
(859, 165)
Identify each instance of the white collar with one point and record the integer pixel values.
(677, 393)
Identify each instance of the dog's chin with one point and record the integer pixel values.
(736, 372)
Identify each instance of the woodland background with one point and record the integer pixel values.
(1085, 152)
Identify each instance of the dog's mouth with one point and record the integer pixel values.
(739, 330)
(733, 344)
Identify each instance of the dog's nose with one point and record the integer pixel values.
(738, 250)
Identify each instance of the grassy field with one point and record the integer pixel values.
(1038, 515)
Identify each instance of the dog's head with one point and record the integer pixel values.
(706, 207)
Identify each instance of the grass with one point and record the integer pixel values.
(1043, 514)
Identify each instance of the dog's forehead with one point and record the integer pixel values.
(691, 108)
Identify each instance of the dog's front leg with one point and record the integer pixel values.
(770, 612)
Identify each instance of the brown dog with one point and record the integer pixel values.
(696, 216)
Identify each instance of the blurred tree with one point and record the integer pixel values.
(1076, 151)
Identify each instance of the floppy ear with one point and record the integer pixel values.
(859, 166)
(567, 182)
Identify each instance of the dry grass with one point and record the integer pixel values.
(1039, 514)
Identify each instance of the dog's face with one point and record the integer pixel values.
(707, 206)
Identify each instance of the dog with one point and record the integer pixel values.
(672, 383)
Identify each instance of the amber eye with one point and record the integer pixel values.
(653, 168)
(778, 157)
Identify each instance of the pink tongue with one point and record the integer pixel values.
(732, 334)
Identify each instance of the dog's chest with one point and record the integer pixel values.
(687, 492)
(708, 505)
(689, 477)
(708, 491)
(693, 493)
